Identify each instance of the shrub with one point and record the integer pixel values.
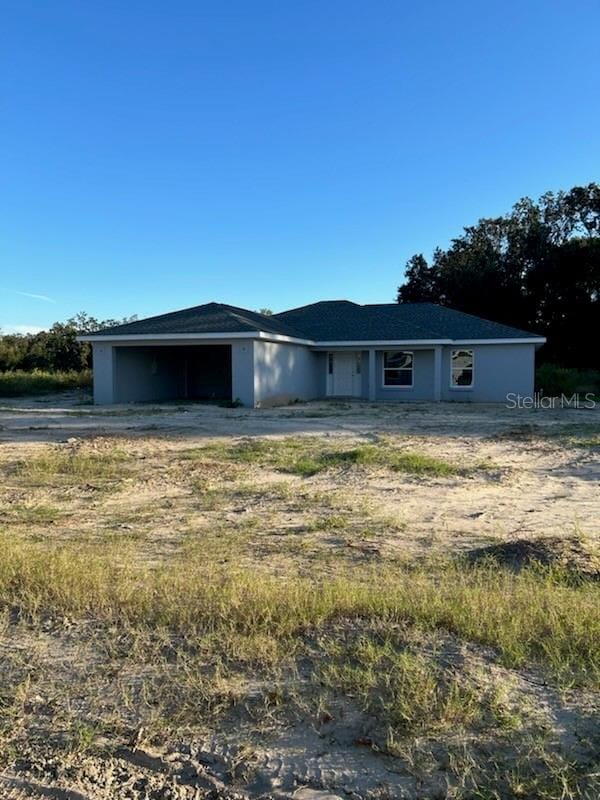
(553, 380)
(19, 382)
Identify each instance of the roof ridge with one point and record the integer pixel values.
(247, 314)
(317, 303)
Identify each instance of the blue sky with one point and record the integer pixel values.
(157, 155)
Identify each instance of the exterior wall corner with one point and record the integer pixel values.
(243, 376)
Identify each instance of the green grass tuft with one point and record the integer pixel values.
(309, 456)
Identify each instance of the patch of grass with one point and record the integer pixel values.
(328, 523)
(529, 617)
(154, 648)
(17, 383)
(408, 690)
(33, 513)
(422, 464)
(210, 498)
(70, 463)
(308, 456)
(588, 442)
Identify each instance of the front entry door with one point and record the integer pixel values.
(345, 378)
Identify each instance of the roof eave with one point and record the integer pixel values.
(537, 340)
(118, 338)
(277, 337)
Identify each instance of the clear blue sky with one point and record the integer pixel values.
(157, 155)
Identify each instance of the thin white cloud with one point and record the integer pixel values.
(20, 329)
(43, 297)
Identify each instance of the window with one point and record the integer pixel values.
(398, 368)
(461, 372)
(330, 363)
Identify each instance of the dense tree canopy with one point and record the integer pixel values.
(537, 267)
(56, 349)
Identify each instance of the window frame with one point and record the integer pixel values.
(464, 388)
(396, 386)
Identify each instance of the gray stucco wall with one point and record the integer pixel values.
(364, 374)
(269, 372)
(141, 375)
(498, 370)
(104, 373)
(321, 367)
(285, 372)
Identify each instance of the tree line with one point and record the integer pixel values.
(536, 268)
(54, 350)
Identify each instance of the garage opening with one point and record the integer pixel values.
(206, 372)
(201, 372)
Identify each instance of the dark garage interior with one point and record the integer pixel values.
(206, 372)
(182, 372)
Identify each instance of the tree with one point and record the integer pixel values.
(420, 283)
(537, 268)
(56, 349)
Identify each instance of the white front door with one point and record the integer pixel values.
(344, 375)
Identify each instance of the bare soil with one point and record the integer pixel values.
(531, 493)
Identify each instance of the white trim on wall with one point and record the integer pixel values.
(384, 344)
(427, 343)
(473, 342)
(185, 337)
(277, 337)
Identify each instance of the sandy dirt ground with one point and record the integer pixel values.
(537, 481)
(532, 473)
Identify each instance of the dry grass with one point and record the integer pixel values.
(529, 617)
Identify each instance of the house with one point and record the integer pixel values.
(412, 351)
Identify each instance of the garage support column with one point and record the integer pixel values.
(243, 373)
(103, 360)
(437, 373)
(372, 376)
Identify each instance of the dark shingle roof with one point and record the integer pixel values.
(340, 320)
(327, 321)
(209, 318)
